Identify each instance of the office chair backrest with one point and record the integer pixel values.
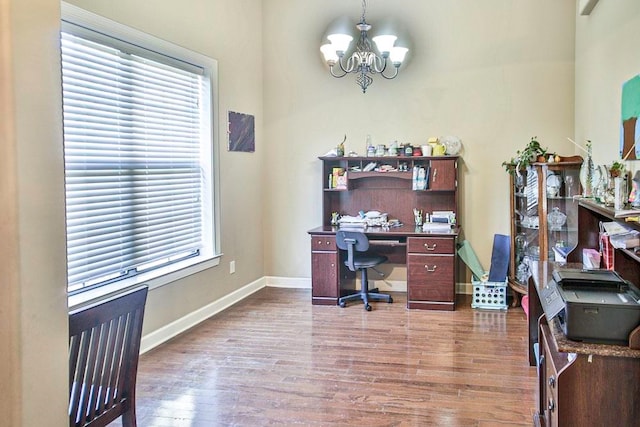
(352, 241)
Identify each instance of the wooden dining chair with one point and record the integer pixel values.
(104, 344)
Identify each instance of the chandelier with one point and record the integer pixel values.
(364, 62)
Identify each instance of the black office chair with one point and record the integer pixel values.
(356, 244)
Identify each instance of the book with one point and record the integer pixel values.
(339, 179)
(499, 258)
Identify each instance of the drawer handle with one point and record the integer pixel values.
(328, 242)
(432, 269)
(552, 381)
(552, 405)
(430, 248)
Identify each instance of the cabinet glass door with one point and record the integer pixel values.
(562, 184)
(526, 221)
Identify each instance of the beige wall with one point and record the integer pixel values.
(33, 297)
(494, 73)
(606, 57)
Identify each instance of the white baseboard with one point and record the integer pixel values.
(387, 285)
(464, 288)
(288, 282)
(176, 327)
(383, 285)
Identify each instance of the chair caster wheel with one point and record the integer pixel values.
(367, 307)
(390, 300)
(342, 304)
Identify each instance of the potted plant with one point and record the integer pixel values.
(616, 169)
(532, 153)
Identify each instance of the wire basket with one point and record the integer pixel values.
(489, 295)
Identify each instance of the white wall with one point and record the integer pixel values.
(606, 57)
(494, 73)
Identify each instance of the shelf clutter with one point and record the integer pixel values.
(444, 145)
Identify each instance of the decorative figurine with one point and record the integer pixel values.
(417, 214)
(335, 216)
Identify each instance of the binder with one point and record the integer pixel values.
(499, 258)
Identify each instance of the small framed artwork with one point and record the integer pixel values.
(630, 125)
(242, 132)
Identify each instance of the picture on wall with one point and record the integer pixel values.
(242, 132)
(630, 126)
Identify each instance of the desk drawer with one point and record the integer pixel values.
(431, 245)
(323, 243)
(424, 268)
(430, 278)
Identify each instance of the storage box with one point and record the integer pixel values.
(590, 259)
(489, 295)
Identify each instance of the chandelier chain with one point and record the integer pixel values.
(364, 10)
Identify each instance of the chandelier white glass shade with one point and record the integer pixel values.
(364, 62)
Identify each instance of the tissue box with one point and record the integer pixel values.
(590, 258)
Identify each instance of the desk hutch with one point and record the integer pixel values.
(430, 257)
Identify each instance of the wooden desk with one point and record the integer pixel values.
(386, 184)
(579, 384)
(430, 259)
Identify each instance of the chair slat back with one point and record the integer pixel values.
(104, 345)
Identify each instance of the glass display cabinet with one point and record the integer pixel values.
(544, 217)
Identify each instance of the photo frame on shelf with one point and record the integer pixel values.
(242, 134)
(629, 123)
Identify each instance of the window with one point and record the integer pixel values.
(139, 155)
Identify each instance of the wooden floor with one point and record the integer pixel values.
(274, 359)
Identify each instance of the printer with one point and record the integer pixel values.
(596, 306)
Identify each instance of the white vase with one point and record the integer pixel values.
(590, 177)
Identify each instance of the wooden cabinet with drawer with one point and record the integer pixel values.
(325, 270)
(431, 272)
(585, 389)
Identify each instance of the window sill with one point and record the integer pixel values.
(154, 279)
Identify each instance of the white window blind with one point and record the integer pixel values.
(133, 160)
